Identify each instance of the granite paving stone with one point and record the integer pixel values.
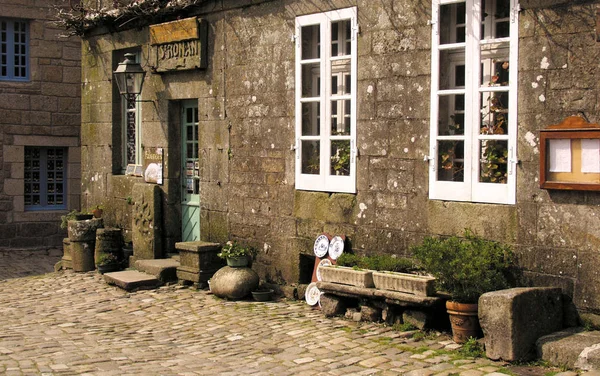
(65, 323)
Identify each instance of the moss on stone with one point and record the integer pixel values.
(335, 208)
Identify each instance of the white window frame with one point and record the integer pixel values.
(324, 181)
(137, 111)
(470, 189)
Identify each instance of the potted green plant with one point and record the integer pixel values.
(465, 268)
(108, 262)
(236, 254)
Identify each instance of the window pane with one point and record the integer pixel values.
(310, 157)
(340, 77)
(340, 116)
(502, 19)
(451, 160)
(311, 119)
(310, 80)
(452, 23)
(493, 161)
(189, 118)
(310, 42)
(451, 121)
(340, 38)
(495, 72)
(502, 29)
(452, 69)
(340, 157)
(494, 113)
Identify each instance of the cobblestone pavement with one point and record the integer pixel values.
(21, 263)
(74, 324)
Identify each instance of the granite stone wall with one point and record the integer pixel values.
(43, 111)
(246, 138)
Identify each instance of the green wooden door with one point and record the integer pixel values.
(190, 173)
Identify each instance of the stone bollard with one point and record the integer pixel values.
(82, 238)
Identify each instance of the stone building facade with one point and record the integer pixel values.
(285, 153)
(40, 75)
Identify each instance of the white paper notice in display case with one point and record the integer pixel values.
(590, 155)
(560, 155)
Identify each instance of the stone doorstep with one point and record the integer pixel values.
(572, 347)
(130, 280)
(164, 270)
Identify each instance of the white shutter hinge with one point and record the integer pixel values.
(356, 30)
(293, 38)
(431, 22)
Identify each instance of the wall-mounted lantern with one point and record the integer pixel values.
(129, 76)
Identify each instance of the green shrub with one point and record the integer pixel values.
(472, 349)
(377, 262)
(466, 267)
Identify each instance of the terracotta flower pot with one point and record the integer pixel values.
(464, 321)
(97, 213)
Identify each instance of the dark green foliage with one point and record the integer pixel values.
(377, 262)
(466, 267)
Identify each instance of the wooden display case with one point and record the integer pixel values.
(570, 155)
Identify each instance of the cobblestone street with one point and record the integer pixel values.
(71, 324)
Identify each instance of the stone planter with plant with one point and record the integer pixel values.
(347, 276)
(465, 268)
(392, 273)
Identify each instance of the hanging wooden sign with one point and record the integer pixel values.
(179, 45)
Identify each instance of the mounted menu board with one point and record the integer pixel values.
(570, 155)
(153, 165)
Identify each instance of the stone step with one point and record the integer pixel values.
(573, 348)
(165, 270)
(131, 280)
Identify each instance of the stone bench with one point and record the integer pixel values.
(391, 306)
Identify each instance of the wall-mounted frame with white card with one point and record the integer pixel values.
(570, 155)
